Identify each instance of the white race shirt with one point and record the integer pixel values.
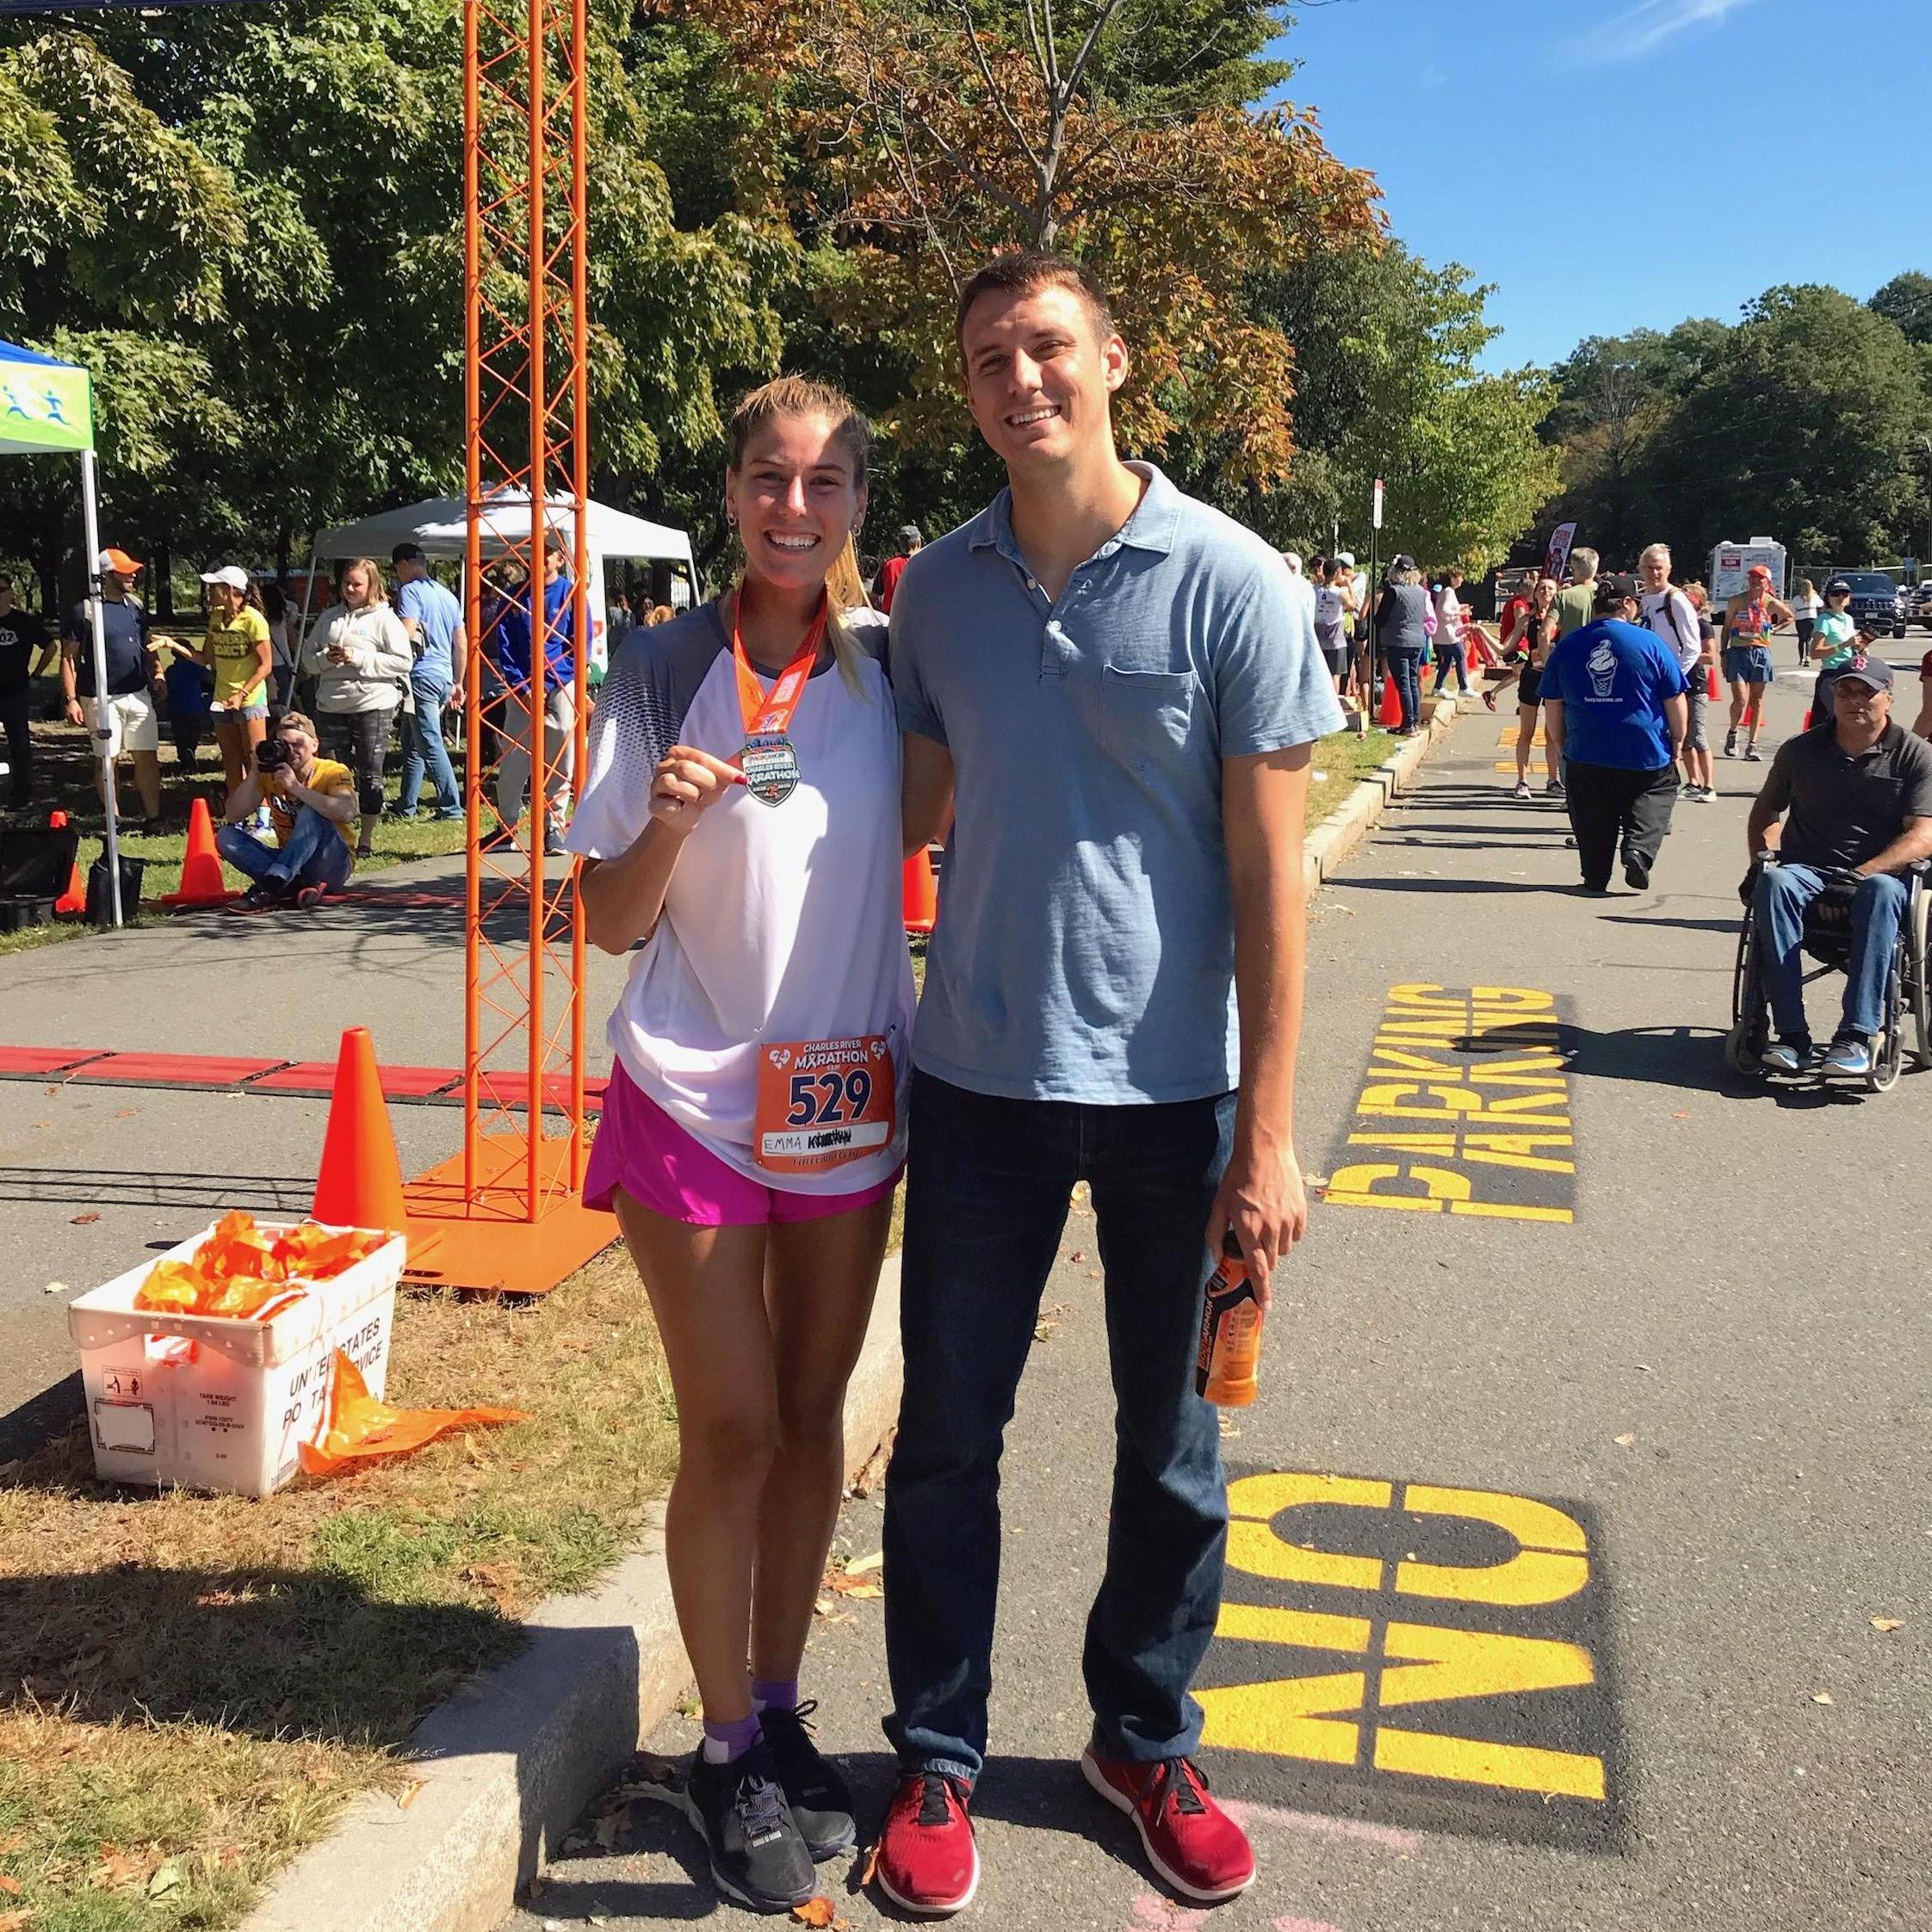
(783, 922)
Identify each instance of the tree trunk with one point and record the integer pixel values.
(161, 580)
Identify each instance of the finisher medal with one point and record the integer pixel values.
(769, 760)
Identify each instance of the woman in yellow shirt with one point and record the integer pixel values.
(236, 648)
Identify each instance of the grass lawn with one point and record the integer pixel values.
(66, 778)
(1341, 761)
(194, 1685)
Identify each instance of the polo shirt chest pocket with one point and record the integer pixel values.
(1145, 713)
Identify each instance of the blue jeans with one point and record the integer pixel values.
(1451, 655)
(316, 854)
(987, 1202)
(1405, 667)
(1783, 893)
(423, 746)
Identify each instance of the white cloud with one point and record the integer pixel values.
(1641, 30)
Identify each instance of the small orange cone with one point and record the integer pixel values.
(202, 882)
(73, 901)
(359, 1183)
(1712, 689)
(919, 893)
(1391, 714)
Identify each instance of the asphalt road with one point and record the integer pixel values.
(1590, 1622)
(151, 1166)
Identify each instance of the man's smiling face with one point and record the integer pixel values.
(1039, 375)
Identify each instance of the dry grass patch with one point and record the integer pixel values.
(194, 1685)
(1339, 762)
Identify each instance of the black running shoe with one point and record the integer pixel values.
(757, 1856)
(1637, 872)
(820, 1800)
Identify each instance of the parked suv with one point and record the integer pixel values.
(1921, 604)
(1874, 594)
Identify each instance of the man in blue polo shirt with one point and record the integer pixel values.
(1615, 712)
(434, 620)
(1116, 689)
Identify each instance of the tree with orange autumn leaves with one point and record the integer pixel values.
(927, 137)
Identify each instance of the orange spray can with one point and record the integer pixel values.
(1226, 1369)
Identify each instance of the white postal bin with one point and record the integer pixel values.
(209, 1402)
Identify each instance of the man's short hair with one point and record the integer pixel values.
(406, 553)
(1583, 563)
(297, 720)
(1025, 271)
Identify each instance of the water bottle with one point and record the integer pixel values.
(1225, 1372)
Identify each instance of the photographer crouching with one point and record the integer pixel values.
(311, 803)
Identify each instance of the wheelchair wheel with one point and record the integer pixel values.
(1918, 969)
(1888, 1057)
(1750, 1031)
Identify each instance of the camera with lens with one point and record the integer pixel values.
(273, 755)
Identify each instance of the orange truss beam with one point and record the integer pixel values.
(507, 1208)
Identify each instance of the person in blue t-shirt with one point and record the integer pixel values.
(434, 621)
(508, 646)
(1615, 713)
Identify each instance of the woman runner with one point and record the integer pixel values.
(1805, 604)
(742, 819)
(1749, 622)
(1534, 635)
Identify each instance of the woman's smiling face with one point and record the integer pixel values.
(794, 499)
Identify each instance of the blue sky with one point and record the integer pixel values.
(1705, 149)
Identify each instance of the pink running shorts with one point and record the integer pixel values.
(641, 1149)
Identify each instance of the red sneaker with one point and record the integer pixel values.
(1189, 1840)
(926, 1859)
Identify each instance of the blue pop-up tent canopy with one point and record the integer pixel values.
(46, 409)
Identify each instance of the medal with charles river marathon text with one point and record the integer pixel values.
(769, 759)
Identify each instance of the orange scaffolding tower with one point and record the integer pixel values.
(504, 1213)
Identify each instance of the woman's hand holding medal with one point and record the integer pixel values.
(685, 782)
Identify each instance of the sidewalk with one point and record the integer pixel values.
(1625, 1730)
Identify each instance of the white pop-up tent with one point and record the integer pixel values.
(46, 408)
(441, 527)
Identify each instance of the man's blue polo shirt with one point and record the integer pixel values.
(1086, 942)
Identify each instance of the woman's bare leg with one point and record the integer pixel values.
(1525, 738)
(707, 1291)
(234, 762)
(820, 1277)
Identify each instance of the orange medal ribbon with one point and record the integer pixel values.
(768, 760)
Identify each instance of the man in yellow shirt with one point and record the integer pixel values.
(312, 803)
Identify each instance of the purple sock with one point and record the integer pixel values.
(724, 1743)
(775, 1694)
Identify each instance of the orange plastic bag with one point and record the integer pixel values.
(360, 1428)
(238, 1272)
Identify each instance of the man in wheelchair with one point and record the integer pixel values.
(1858, 790)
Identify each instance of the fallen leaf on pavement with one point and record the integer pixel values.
(1822, 1697)
(408, 1795)
(84, 1220)
(819, 1912)
(859, 1566)
(1888, 1623)
(605, 1830)
(1043, 1329)
(1078, 1254)
(55, 1288)
(1625, 1441)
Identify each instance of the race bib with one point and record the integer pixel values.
(822, 1103)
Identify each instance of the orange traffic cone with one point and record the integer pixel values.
(1391, 714)
(1712, 689)
(360, 1183)
(73, 901)
(201, 872)
(919, 893)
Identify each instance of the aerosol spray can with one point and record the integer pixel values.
(1231, 1354)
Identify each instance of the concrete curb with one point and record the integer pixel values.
(510, 1762)
(1357, 815)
